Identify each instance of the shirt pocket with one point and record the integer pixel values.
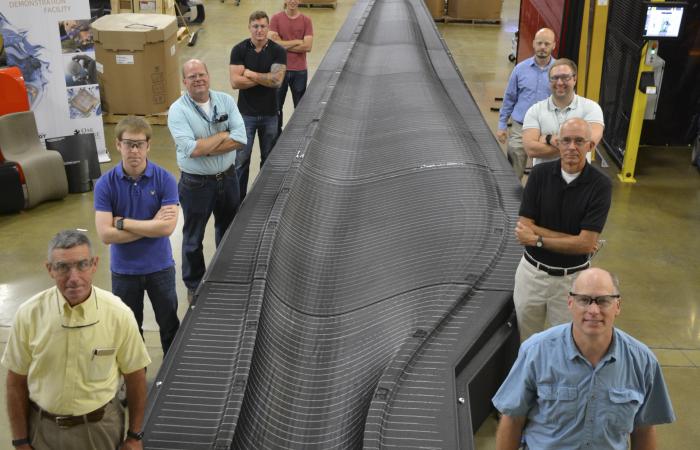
(624, 404)
(557, 403)
(102, 364)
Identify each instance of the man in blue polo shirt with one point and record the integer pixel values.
(136, 209)
(527, 85)
(584, 384)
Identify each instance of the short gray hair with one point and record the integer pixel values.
(68, 239)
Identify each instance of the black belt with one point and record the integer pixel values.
(217, 176)
(555, 271)
(71, 421)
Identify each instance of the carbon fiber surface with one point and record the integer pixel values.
(366, 282)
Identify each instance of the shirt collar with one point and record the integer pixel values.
(533, 63)
(572, 106)
(572, 351)
(148, 173)
(251, 45)
(584, 176)
(84, 313)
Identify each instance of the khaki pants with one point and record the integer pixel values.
(515, 150)
(106, 434)
(539, 297)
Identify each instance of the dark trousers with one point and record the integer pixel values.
(201, 196)
(161, 290)
(295, 80)
(266, 128)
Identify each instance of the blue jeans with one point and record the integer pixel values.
(296, 81)
(200, 196)
(266, 127)
(161, 290)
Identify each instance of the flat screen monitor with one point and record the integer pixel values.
(663, 20)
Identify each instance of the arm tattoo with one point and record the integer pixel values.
(269, 80)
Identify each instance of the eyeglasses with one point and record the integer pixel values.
(564, 78)
(578, 142)
(64, 268)
(195, 76)
(131, 144)
(603, 301)
(257, 25)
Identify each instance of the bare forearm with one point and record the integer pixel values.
(528, 234)
(136, 398)
(509, 433)
(205, 146)
(268, 79)
(226, 146)
(537, 149)
(152, 228)
(17, 404)
(110, 235)
(288, 45)
(644, 438)
(241, 82)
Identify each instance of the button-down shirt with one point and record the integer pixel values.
(571, 404)
(72, 356)
(188, 123)
(527, 85)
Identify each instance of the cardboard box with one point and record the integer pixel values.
(121, 6)
(436, 8)
(154, 6)
(143, 6)
(474, 9)
(137, 62)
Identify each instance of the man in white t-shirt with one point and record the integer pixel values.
(543, 119)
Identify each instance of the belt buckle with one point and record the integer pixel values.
(64, 421)
(220, 176)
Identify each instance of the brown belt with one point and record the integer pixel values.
(70, 421)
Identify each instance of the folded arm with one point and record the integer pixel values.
(536, 146)
(216, 144)
(161, 225)
(238, 81)
(527, 232)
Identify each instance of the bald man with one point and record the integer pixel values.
(528, 84)
(584, 384)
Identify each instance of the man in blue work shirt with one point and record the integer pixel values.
(136, 208)
(528, 84)
(208, 130)
(584, 384)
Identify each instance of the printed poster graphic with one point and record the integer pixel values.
(52, 44)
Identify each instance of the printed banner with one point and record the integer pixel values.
(51, 43)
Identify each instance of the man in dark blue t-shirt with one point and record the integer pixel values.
(136, 209)
(257, 69)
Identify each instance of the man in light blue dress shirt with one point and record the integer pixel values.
(528, 84)
(584, 384)
(207, 129)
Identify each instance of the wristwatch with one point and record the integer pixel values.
(548, 139)
(138, 436)
(18, 442)
(119, 224)
(540, 242)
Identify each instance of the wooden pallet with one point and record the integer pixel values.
(153, 119)
(319, 5)
(448, 19)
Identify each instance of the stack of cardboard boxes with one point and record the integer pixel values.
(143, 6)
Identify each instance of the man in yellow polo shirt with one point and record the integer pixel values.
(68, 347)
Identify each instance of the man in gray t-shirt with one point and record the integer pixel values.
(543, 119)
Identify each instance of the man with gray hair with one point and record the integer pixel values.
(68, 348)
(564, 208)
(584, 384)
